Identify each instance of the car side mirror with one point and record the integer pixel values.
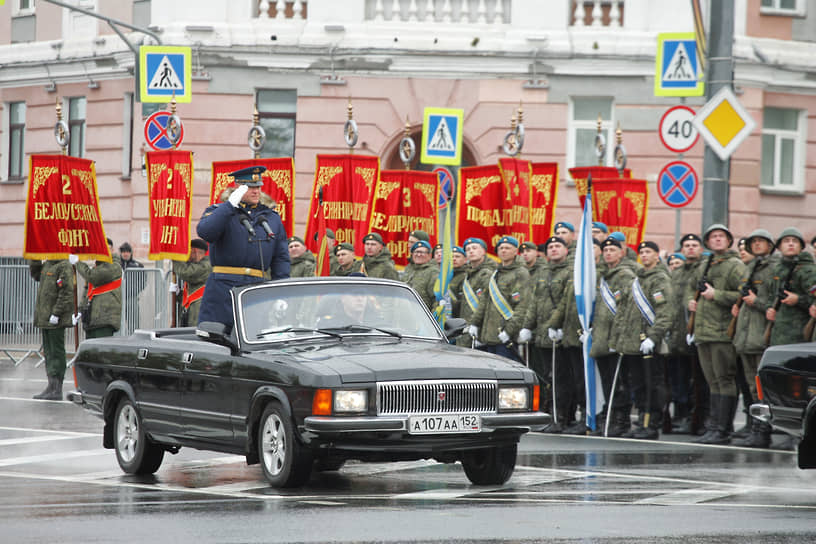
(454, 326)
(217, 333)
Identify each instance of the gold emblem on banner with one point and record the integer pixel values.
(85, 177)
(604, 198)
(429, 191)
(543, 184)
(155, 172)
(222, 181)
(638, 200)
(325, 175)
(183, 170)
(368, 176)
(475, 186)
(41, 175)
(282, 179)
(385, 188)
(580, 185)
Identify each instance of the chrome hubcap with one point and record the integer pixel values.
(273, 444)
(127, 434)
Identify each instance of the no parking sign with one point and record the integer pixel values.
(677, 184)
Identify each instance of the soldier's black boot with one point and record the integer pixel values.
(634, 428)
(650, 431)
(45, 392)
(760, 436)
(711, 422)
(578, 427)
(681, 422)
(55, 391)
(726, 409)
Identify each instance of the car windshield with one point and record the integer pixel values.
(272, 313)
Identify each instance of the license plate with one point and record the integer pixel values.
(460, 423)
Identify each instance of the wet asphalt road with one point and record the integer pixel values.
(60, 485)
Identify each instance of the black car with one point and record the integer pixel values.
(787, 390)
(315, 372)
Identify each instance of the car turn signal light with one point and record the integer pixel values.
(536, 400)
(760, 396)
(322, 402)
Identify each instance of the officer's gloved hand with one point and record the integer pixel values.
(504, 337)
(584, 336)
(73, 259)
(174, 288)
(647, 346)
(238, 194)
(76, 318)
(689, 339)
(54, 320)
(525, 335)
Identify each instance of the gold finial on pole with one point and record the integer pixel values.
(600, 142)
(257, 135)
(350, 132)
(520, 114)
(405, 145)
(61, 131)
(620, 151)
(618, 134)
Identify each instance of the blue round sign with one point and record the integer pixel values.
(156, 133)
(446, 186)
(677, 184)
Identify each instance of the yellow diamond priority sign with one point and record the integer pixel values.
(724, 123)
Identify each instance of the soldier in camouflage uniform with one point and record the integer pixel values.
(53, 312)
(346, 262)
(750, 325)
(479, 270)
(194, 273)
(529, 253)
(502, 306)
(422, 273)
(377, 261)
(331, 243)
(102, 303)
(549, 286)
(713, 315)
(793, 277)
(302, 261)
(614, 286)
(639, 329)
(456, 284)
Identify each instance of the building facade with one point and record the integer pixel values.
(301, 62)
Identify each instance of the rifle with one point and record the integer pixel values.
(701, 286)
(746, 289)
(780, 295)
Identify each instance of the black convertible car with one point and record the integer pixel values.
(787, 390)
(315, 372)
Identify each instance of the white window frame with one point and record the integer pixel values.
(799, 137)
(80, 124)
(799, 11)
(17, 11)
(5, 145)
(73, 21)
(607, 127)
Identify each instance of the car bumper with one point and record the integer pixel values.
(324, 424)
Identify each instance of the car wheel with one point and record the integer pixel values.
(490, 466)
(134, 451)
(285, 462)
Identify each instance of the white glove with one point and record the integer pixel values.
(525, 335)
(473, 330)
(174, 288)
(555, 334)
(54, 320)
(647, 346)
(584, 336)
(689, 339)
(477, 344)
(76, 318)
(73, 259)
(504, 337)
(238, 194)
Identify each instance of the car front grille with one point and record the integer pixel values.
(436, 397)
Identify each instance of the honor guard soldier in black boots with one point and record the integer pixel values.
(247, 244)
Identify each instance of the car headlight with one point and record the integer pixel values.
(513, 398)
(350, 401)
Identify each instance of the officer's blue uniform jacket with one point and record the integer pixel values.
(232, 245)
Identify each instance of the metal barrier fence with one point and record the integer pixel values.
(145, 305)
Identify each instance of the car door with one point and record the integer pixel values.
(158, 387)
(206, 393)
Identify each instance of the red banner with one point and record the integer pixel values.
(323, 267)
(480, 205)
(516, 179)
(278, 183)
(62, 210)
(170, 197)
(579, 175)
(543, 198)
(622, 204)
(404, 200)
(348, 188)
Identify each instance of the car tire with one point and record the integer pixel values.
(285, 462)
(490, 466)
(135, 452)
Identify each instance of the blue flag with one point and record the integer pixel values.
(443, 307)
(584, 281)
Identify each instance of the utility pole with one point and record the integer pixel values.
(716, 172)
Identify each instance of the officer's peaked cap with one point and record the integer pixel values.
(251, 176)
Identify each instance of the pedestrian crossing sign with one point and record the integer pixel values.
(677, 66)
(163, 72)
(442, 136)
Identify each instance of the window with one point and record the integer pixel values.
(22, 7)
(127, 136)
(783, 144)
(16, 140)
(276, 109)
(782, 7)
(76, 126)
(23, 21)
(584, 112)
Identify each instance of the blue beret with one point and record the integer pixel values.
(421, 243)
(475, 241)
(566, 224)
(599, 225)
(507, 240)
(678, 256)
(250, 176)
(458, 249)
(618, 235)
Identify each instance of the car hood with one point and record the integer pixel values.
(360, 360)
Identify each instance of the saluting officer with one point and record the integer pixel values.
(502, 307)
(247, 244)
(479, 270)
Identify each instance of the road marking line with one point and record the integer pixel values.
(50, 457)
(29, 399)
(34, 439)
(48, 431)
(692, 496)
